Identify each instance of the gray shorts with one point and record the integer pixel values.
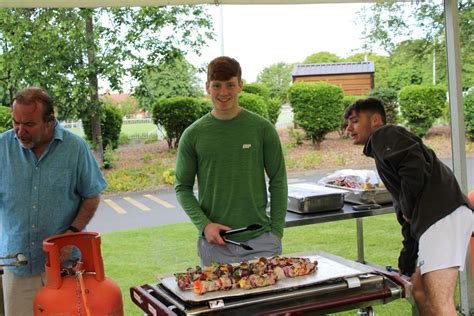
(444, 244)
(265, 245)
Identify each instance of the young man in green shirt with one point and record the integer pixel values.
(230, 150)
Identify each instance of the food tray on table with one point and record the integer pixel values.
(361, 196)
(361, 186)
(329, 268)
(312, 198)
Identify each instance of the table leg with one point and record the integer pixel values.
(2, 312)
(360, 240)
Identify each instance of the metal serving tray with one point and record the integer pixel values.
(361, 196)
(312, 198)
(330, 267)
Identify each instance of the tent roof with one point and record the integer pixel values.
(454, 78)
(137, 3)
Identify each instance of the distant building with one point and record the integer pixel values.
(355, 78)
(127, 103)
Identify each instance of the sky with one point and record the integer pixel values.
(261, 35)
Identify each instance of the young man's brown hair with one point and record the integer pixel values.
(223, 68)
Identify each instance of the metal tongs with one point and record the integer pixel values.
(236, 231)
(20, 260)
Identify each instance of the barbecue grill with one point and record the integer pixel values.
(338, 284)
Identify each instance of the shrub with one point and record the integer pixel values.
(110, 125)
(5, 118)
(258, 89)
(108, 157)
(389, 99)
(469, 115)
(273, 105)
(317, 108)
(274, 109)
(169, 176)
(254, 103)
(421, 105)
(176, 114)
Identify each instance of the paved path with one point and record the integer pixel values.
(142, 209)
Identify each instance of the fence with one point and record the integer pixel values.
(156, 133)
(137, 120)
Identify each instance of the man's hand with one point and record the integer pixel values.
(65, 254)
(211, 232)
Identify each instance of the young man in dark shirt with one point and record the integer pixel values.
(436, 217)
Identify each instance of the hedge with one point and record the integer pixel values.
(317, 108)
(176, 114)
(421, 105)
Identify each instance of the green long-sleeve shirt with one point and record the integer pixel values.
(230, 159)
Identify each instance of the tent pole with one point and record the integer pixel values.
(458, 132)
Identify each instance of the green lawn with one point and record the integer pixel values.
(127, 129)
(140, 128)
(141, 256)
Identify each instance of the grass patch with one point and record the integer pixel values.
(140, 256)
(138, 128)
(127, 129)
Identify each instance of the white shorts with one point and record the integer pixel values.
(444, 244)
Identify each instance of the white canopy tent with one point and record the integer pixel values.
(143, 3)
(454, 80)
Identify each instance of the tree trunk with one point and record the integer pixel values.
(94, 91)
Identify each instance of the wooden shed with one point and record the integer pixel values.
(355, 78)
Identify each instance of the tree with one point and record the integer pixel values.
(410, 65)
(111, 125)
(128, 106)
(322, 58)
(5, 119)
(388, 23)
(66, 51)
(277, 78)
(469, 118)
(168, 79)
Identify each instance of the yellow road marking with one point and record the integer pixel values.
(117, 208)
(137, 204)
(159, 201)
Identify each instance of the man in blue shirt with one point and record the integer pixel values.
(50, 184)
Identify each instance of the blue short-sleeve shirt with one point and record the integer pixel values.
(39, 198)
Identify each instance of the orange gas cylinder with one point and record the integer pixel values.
(83, 291)
(471, 200)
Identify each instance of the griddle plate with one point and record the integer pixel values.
(329, 268)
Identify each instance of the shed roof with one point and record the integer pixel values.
(301, 70)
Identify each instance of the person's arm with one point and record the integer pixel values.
(406, 157)
(186, 170)
(90, 185)
(409, 252)
(85, 213)
(278, 184)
